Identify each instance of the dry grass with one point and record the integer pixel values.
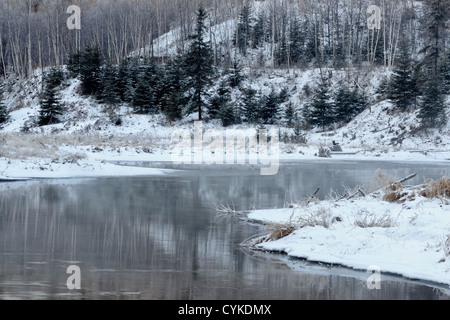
(47, 146)
(382, 180)
(365, 219)
(436, 189)
(279, 231)
(320, 217)
(396, 196)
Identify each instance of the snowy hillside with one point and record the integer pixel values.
(89, 131)
(378, 129)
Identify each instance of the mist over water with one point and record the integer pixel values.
(161, 237)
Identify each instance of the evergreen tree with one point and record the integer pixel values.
(320, 111)
(347, 104)
(437, 13)
(297, 42)
(90, 70)
(51, 108)
(4, 116)
(258, 31)
(127, 75)
(143, 98)
(243, 32)
(270, 107)
(282, 52)
(283, 96)
(432, 107)
(289, 115)
(383, 88)
(228, 115)
(154, 75)
(445, 73)
(199, 64)
(236, 76)
(74, 64)
(311, 53)
(110, 95)
(402, 85)
(54, 78)
(219, 101)
(174, 99)
(249, 105)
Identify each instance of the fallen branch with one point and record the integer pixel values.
(354, 194)
(313, 196)
(406, 179)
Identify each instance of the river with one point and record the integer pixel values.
(160, 237)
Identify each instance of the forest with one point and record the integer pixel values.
(113, 55)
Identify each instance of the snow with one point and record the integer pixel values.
(412, 246)
(86, 132)
(87, 142)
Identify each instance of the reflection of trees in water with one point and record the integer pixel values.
(161, 236)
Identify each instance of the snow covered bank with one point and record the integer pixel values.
(42, 168)
(409, 236)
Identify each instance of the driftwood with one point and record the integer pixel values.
(359, 191)
(313, 195)
(405, 179)
(394, 183)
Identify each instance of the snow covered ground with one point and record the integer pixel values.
(408, 237)
(87, 137)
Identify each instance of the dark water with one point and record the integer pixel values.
(161, 237)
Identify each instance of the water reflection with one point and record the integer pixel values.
(160, 238)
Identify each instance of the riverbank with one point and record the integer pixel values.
(399, 230)
(61, 155)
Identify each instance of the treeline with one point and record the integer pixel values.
(33, 33)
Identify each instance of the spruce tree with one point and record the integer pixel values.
(243, 32)
(4, 115)
(236, 76)
(402, 85)
(282, 52)
(143, 98)
(199, 64)
(269, 108)
(90, 71)
(154, 76)
(320, 111)
(437, 13)
(289, 115)
(124, 81)
(249, 105)
(51, 108)
(74, 64)
(174, 98)
(445, 73)
(432, 107)
(348, 103)
(258, 31)
(110, 94)
(219, 101)
(54, 78)
(228, 115)
(297, 42)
